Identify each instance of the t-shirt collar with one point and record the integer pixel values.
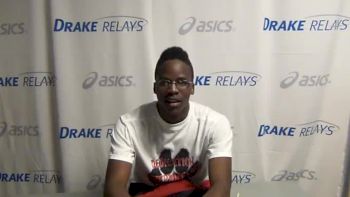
(175, 126)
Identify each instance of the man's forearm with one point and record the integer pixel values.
(116, 181)
(115, 192)
(218, 190)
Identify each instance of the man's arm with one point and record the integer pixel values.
(117, 177)
(220, 177)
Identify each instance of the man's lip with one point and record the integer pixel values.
(172, 100)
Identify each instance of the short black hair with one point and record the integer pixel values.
(170, 54)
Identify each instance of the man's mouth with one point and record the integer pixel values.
(173, 102)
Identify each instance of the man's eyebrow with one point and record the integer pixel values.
(181, 78)
(164, 78)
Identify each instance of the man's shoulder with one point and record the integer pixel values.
(201, 111)
(142, 112)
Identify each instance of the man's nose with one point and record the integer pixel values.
(173, 87)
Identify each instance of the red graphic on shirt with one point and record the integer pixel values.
(167, 169)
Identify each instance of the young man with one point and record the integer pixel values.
(172, 146)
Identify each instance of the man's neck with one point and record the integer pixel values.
(173, 119)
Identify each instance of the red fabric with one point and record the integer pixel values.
(205, 185)
(175, 187)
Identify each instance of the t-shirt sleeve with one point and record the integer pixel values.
(121, 143)
(220, 140)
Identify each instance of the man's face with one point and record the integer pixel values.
(173, 99)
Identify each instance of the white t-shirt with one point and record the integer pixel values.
(161, 152)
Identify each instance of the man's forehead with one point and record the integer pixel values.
(173, 62)
(170, 78)
(174, 69)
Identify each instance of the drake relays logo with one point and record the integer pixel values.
(228, 79)
(318, 127)
(37, 176)
(320, 23)
(103, 24)
(29, 79)
(242, 177)
(103, 131)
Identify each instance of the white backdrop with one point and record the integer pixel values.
(278, 70)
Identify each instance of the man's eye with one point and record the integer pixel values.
(182, 82)
(164, 83)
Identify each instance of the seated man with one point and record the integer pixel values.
(172, 146)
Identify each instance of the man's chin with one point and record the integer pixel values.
(173, 111)
(171, 107)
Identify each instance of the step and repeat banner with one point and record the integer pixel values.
(279, 70)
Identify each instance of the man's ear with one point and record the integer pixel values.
(192, 89)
